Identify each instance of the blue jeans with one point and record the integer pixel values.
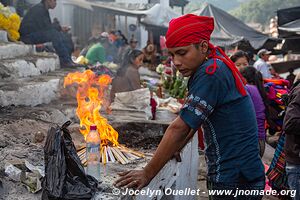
(58, 39)
(293, 176)
(236, 191)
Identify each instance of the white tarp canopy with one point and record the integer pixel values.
(114, 8)
(159, 15)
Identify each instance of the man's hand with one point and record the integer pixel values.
(65, 28)
(174, 139)
(133, 179)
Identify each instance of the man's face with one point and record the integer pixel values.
(51, 4)
(188, 58)
(265, 57)
(133, 45)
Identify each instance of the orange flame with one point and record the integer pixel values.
(90, 96)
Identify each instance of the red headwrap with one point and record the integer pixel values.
(191, 29)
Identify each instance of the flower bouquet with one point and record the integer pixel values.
(10, 22)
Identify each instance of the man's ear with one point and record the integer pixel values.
(204, 46)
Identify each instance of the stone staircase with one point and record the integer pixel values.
(28, 78)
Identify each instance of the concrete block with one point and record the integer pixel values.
(29, 93)
(173, 177)
(176, 176)
(20, 68)
(13, 50)
(27, 67)
(47, 64)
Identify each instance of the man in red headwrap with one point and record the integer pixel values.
(217, 102)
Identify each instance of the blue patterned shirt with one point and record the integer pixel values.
(229, 125)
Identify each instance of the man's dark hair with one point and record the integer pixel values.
(239, 54)
(291, 70)
(197, 45)
(5, 2)
(254, 77)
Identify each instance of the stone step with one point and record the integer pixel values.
(12, 50)
(28, 92)
(31, 65)
(34, 90)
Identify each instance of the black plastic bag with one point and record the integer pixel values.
(65, 177)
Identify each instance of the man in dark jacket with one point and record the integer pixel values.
(36, 28)
(291, 128)
(5, 2)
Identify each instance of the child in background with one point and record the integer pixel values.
(240, 59)
(258, 95)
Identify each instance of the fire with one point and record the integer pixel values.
(90, 97)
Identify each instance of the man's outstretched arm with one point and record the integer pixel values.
(175, 137)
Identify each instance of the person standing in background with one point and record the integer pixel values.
(261, 64)
(240, 59)
(291, 77)
(150, 56)
(258, 95)
(291, 128)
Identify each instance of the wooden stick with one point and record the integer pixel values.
(129, 154)
(81, 151)
(112, 154)
(82, 157)
(84, 161)
(121, 154)
(126, 155)
(82, 154)
(112, 158)
(106, 153)
(81, 148)
(149, 154)
(133, 157)
(118, 157)
(103, 156)
(132, 151)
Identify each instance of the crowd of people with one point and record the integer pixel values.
(226, 97)
(38, 29)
